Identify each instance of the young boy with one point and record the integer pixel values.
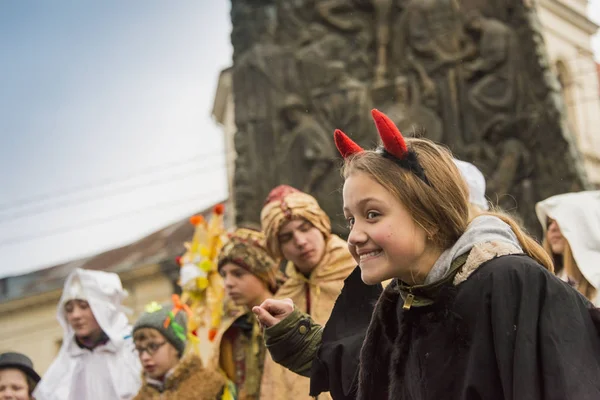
(160, 339)
(298, 230)
(250, 276)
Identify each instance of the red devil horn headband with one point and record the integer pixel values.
(394, 146)
(345, 145)
(390, 135)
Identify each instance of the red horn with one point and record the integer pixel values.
(345, 145)
(390, 135)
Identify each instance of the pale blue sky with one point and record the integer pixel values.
(107, 91)
(96, 92)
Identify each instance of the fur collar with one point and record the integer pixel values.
(189, 381)
(480, 253)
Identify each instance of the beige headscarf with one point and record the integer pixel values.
(316, 293)
(284, 204)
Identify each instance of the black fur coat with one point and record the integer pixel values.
(511, 331)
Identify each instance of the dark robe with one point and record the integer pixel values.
(512, 330)
(335, 369)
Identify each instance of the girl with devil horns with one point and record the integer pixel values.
(473, 310)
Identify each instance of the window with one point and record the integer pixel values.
(567, 86)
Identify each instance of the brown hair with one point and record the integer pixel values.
(440, 208)
(143, 335)
(569, 266)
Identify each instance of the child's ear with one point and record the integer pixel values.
(173, 350)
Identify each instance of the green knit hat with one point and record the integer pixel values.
(169, 320)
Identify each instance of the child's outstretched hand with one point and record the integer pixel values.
(272, 311)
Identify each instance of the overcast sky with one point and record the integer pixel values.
(112, 95)
(105, 126)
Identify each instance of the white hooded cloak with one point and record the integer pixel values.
(578, 217)
(109, 371)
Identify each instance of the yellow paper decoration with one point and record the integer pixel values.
(205, 292)
(206, 265)
(201, 283)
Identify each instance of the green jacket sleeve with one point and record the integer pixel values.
(294, 342)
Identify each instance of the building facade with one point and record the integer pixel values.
(28, 324)
(148, 271)
(568, 32)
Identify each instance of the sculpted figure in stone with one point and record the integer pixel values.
(405, 109)
(383, 10)
(342, 101)
(307, 155)
(508, 164)
(314, 143)
(495, 87)
(351, 19)
(433, 44)
(293, 18)
(305, 152)
(321, 44)
(342, 14)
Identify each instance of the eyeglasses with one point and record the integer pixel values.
(150, 349)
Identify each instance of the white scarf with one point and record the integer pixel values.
(483, 229)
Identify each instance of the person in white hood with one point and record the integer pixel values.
(476, 183)
(97, 359)
(571, 224)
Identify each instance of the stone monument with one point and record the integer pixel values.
(473, 73)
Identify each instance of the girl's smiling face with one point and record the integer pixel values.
(384, 239)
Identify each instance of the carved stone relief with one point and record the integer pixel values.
(472, 73)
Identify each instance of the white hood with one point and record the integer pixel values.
(476, 183)
(578, 217)
(110, 371)
(104, 293)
